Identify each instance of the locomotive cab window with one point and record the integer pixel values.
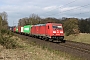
(57, 27)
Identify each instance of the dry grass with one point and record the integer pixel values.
(82, 37)
(31, 52)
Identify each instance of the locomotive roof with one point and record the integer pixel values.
(39, 24)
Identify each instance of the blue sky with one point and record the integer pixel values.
(17, 9)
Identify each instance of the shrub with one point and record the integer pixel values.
(4, 31)
(71, 26)
(9, 43)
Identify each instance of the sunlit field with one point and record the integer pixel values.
(82, 37)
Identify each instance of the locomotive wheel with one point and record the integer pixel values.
(46, 39)
(63, 41)
(51, 40)
(42, 38)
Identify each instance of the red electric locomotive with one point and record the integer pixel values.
(52, 31)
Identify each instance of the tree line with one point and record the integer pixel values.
(71, 25)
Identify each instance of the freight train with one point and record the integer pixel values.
(48, 31)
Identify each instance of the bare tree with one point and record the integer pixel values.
(32, 20)
(0, 27)
(4, 15)
(4, 19)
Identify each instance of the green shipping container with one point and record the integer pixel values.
(27, 29)
(16, 29)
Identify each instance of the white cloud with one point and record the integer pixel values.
(50, 8)
(67, 8)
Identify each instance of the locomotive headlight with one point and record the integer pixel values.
(54, 31)
(61, 31)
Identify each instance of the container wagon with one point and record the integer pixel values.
(22, 32)
(27, 29)
(17, 30)
(14, 29)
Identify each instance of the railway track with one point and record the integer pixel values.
(77, 46)
(81, 50)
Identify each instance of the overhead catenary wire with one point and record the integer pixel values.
(82, 13)
(69, 3)
(69, 10)
(79, 7)
(65, 4)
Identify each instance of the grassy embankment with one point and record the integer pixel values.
(24, 51)
(82, 37)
